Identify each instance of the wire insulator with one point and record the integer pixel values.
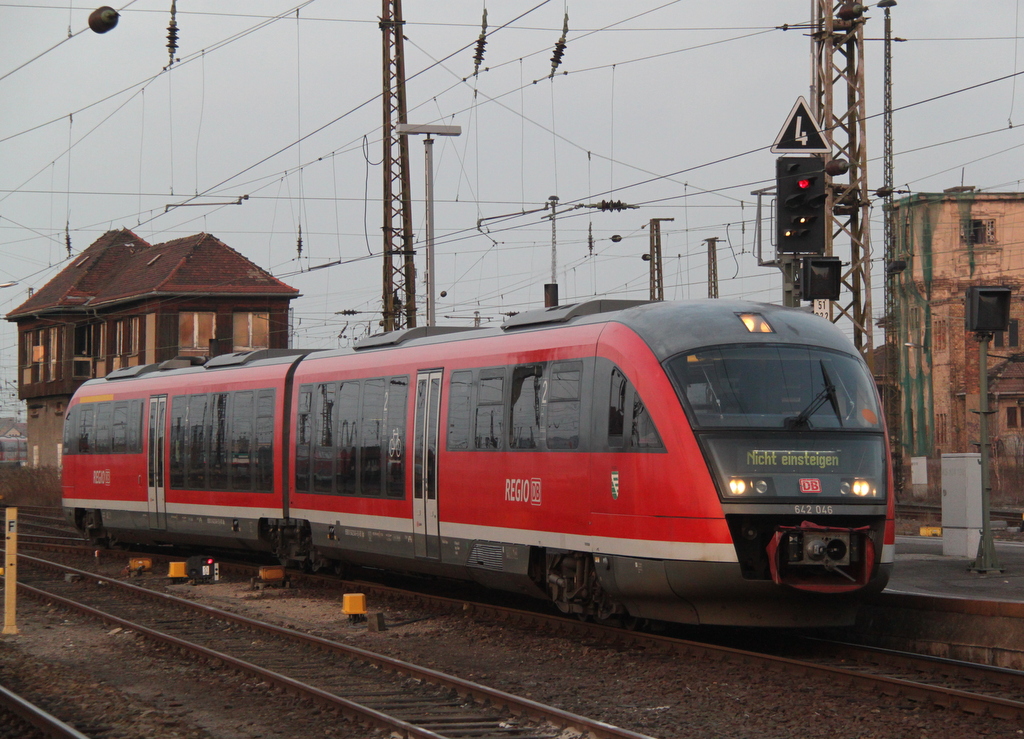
(172, 34)
(481, 42)
(556, 57)
(67, 237)
(298, 242)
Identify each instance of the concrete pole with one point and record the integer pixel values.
(11, 572)
(987, 561)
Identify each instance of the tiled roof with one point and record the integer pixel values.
(1008, 378)
(120, 265)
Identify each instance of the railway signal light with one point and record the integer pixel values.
(800, 195)
(821, 278)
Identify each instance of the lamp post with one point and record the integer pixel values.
(408, 129)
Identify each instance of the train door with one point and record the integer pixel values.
(155, 462)
(426, 533)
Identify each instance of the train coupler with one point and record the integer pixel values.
(824, 559)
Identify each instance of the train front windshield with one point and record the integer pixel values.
(784, 421)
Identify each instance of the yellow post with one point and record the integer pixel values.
(11, 572)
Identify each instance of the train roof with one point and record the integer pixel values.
(668, 328)
(673, 328)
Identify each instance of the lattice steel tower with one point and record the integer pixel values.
(837, 92)
(399, 297)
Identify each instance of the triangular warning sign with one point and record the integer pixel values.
(801, 134)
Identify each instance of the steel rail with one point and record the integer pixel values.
(50, 726)
(942, 696)
(515, 704)
(946, 697)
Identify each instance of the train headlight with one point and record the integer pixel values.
(859, 487)
(862, 488)
(746, 486)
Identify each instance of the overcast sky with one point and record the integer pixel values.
(669, 105)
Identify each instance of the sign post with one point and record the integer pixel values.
(11, 572)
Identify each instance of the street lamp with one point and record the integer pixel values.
(408, 129)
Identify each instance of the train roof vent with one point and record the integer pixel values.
(238, 358)
(394, 338)
(564, 313)
(126, 372)
(180, 362)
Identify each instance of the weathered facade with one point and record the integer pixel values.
(950, 241)
(124, 302)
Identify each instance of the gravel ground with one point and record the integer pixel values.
(661, 695)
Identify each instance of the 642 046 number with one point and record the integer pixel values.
(812, 509)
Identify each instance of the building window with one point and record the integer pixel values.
(126, 342)
(980, 231)
(1010, 337)
(195, 332)
(251, 331)
(941, 421)
(1012, 417)
(41, 358)
(86, 344)
(939, 335)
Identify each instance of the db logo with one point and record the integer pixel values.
(810, 485)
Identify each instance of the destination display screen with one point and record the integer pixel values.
(792, 465)
(788, 460)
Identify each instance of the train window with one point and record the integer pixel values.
(617, 409)
(104, 424)
(459, 409)
(135, 427)
(524, 416)
(644, 435)
(86, 435)
(70, 441)
(241, 440)
(370, 439)
(626, 410)
(119, 434)
(773, 386)
(265, 441)
(563, 411)
(490, 409)
(395, 406)
(303, 434)
(219, 443)
(323, 435)
(179, 437)
(198, 434)
(346, 479)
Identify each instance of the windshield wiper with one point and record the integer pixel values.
(828, 393)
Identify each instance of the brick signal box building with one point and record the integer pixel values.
(124, 302)
(946, 242)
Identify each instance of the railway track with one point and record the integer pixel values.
(922, 512)
(20, 719)
(384, 692)
(967, 686)
(46, 526)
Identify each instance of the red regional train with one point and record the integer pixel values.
(708, 462)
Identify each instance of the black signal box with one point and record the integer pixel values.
(988, 309)
(821, 278)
